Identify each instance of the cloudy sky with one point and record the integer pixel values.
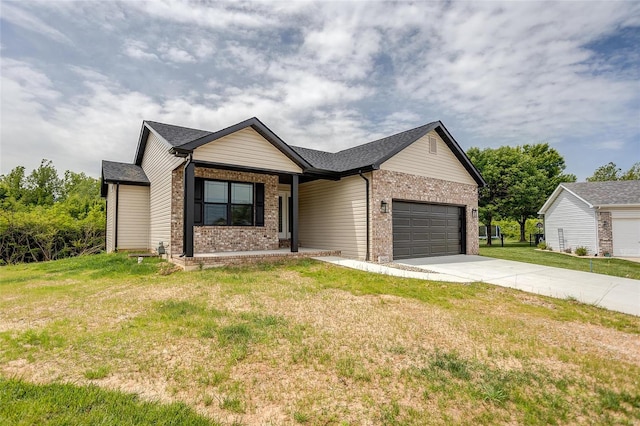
(79, 77)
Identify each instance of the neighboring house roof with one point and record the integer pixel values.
(369, 156)
(126, 173)
(600, 194)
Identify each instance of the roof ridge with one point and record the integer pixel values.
(175, 125)
(388, 137)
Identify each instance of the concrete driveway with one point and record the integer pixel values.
(617, 294)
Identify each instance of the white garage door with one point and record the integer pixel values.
(626, 237)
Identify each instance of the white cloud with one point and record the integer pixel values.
(322, 74)
(175, 54)
(28, 21)
(138, 50)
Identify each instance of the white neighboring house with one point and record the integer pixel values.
(604, 217)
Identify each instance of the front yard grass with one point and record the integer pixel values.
(522, 252)
(302, 342)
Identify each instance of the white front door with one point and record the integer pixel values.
(284, 230)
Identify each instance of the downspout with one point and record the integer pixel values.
(596, 217)
(115, 219)
(184, 205)
(367, 194)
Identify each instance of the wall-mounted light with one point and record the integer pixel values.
(474, 213)
(384, 207)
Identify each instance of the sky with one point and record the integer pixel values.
(79, 77)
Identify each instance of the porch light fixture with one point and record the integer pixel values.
(384, 207)
(474, 213)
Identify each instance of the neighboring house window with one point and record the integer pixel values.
(433, 145)
(223, 203)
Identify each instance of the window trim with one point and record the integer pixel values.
(200, 203)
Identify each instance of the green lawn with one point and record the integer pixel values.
(522, 252)
(104, 340)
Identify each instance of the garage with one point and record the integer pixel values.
(626, 233)
(424, 230)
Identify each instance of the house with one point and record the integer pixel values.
(603, 217)
(243, 188)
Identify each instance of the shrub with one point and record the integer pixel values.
(567, 250)
(542, 245)
(581, 251)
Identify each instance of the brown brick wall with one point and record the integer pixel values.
(387, 185)
(211, 239)
(605, 233)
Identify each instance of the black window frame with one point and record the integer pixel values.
(257, 205)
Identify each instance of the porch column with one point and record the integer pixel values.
(189, 208)
(294, 213)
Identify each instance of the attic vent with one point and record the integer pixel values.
(433, 145)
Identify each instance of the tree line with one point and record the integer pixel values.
(44, 216)
(520, 179)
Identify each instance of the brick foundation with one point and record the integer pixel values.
(212, 239)
(388, 185)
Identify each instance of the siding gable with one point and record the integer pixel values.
(158, 164)
(246, 148)
(416, 159)
(577, 221)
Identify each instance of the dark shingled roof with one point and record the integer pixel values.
(372, 153)
(359, 158)
(123, 173)
(619, 192)
(177, 135)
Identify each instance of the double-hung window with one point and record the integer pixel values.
(224, 203)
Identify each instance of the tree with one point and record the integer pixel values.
(519, 180)
(605, 173)
(633, 173)
(540, 172)
(43, 185)
(13, 184)
(610, 172)
(495, 166)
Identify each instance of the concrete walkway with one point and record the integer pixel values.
(614, 293)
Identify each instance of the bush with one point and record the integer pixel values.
(542, 245)
(49, 233)
(581, 251)
(567, 250)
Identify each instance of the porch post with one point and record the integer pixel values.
(294, 213)
(189, 208)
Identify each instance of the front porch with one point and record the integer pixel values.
(210, 260)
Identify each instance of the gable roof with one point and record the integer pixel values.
(125, 173)
(600, 194)
(369, 156)
(184, 140)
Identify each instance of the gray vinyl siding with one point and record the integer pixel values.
(333, 216)
(417, 159)
(577, 221)
(158, 164)
(111, 212)
(248, 149)
(133, 217)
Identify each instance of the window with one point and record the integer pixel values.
(222, 203)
